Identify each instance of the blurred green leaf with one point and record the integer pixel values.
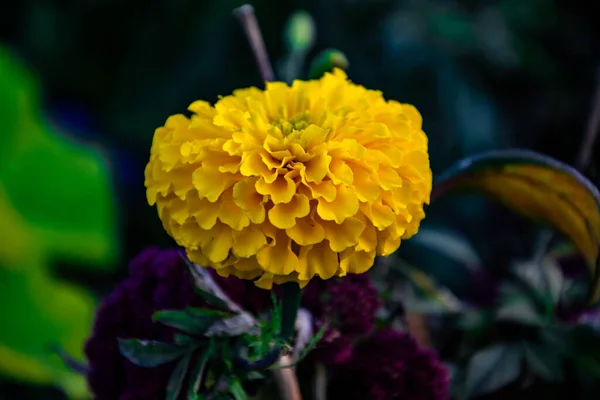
(150, 353)
(449, 243)
(212, 300)
(177, 377)
(543, 277)
(199, 370)
(236, 389)
(56, 204)
(519, 309)
(426, 295)
(186, 341)
(538, 187)
(326, 61)
(191, 320)
(493, 368)
(544, 362)
(185, 320)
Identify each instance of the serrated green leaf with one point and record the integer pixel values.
(326, 61)
(493, 368)
(149, 353)
(236, 389)
(544, 362)
(537, 187)
(177, 377)
(212, 300)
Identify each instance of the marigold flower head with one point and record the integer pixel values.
(286, 183)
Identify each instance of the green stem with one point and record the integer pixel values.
(290, 304)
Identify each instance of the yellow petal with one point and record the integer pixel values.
(203, 211)
(280, 191)
(248, 241)
(306, 232)
(380, 215)
(344, 235)
(283, 215)
(387, 243)
(230, 214)
(210, 183)
(356, 262)
(278, 258)
(340, 172)
(325, 190)
(317, 167)
(344, 205)
(319, 260)
(366, 188)
(218, 246)
(245, 196)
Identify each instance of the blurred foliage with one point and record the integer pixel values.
(56, 203)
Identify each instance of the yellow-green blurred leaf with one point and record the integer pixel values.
(538, 187)
(56, 203)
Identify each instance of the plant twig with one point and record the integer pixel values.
(247, 18)
(582, 162)
(286, 380)
(593, 127)
(320, 382)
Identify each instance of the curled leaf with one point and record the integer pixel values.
(538, 187)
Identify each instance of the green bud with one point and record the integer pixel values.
(300, 32)
(326, 61)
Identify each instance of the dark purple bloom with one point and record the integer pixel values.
(349, 306)
(390, 365)
(158, 280)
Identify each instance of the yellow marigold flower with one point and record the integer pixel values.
(287, 183)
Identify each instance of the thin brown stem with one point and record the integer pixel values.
(582, 162)
(247, 18)
(286, 381)
(593, 127)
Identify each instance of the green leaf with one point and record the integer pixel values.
(186, 341)
(537, 187)
(177, 377)
(545, 277)
(199, 370)
(517, 306)
(300, 32)
(326, 61)
(191, 320)
(149, 353)
(64, 210)
(212, 300)
(544, 362)
(236, 389)
(493, 368)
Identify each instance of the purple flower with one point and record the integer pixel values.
(389, 365)
(158, 280)
(349, 306)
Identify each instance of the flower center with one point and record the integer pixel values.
(297, 123)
